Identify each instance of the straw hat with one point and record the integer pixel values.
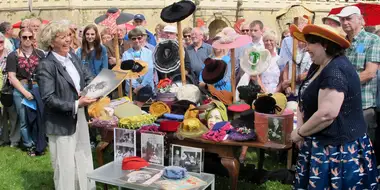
(255, 61)
(323, 31)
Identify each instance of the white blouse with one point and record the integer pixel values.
(271, 77)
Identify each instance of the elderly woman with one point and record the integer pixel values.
(271, 77)
(335, 151)
(21, 67)
(138, 52)
(61, 77)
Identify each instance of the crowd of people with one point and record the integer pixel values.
(52, 63)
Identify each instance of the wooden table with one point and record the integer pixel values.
(225, 151)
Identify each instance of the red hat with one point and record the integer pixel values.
(239, 107)
(169, 125)
(133, 163)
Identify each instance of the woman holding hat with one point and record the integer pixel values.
(335, 151)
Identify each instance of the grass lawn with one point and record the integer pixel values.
(21, 172)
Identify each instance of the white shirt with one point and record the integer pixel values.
(71, 70)
(303, 61)
(271, 77)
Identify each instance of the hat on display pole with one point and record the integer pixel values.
(133, 68)
(178, 11)
(214, 70)
(229, 39)
(255, 61)
(166, 56)
(114, 17)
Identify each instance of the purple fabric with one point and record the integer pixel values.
(237, 136)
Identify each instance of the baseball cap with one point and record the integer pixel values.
(170, 28)
(348, 11)
(139, 17)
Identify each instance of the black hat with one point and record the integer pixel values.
(177, 11)
(214, 70)
(181, 106)
(144, 94)
(131, 65)
(166, 56)
(249, 92)
(121, 19)
(265, 104)
(243, 127)
(177, 78)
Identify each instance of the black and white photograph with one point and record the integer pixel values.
(152, 148)
(104, 83)
(187, 157)
(142, 176)
(275, 129)
(124, 144)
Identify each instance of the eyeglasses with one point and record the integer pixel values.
(27, 37)
(245, 30)
(136, 38)
(186, 36)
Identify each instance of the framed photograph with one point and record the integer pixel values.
(124, 144)
(275, 130)
(103, 84)
(152, 148)
(187, 157)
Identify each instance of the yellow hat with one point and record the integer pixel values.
(159, 108)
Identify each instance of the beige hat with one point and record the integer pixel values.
(331, 17)
(189, 92)
(255, 61)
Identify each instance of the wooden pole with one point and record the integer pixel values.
(130, 89)
(181, 53)
(233, 75)
(294, 66)
(117, 56)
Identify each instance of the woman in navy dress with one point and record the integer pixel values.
(335, 151)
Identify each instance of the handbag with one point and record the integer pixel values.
(6, 93)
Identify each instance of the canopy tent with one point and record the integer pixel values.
(370, 12)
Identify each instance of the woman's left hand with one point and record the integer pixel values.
(295, 137)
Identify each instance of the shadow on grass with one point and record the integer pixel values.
(37, 180)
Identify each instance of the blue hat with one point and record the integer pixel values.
(139, 17)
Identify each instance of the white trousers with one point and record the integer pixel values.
(71, 157)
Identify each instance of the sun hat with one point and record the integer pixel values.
(323, 31)
(133, 163)
(177, 11)
(133, 68)
(189, 92)
(166, 56)
(121, 17)
(331, 17)
(229, 39)
(214, 70)
(255, 61)
(191, 128)
(348, 11)
(170, 28)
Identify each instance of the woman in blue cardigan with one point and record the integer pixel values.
(92, 53)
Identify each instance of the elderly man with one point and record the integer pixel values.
(123, 46)
(364, 54)
(35, 25)
(244, 28)
(198, 52)
(7, 30)
(144, 39)
(139, 20)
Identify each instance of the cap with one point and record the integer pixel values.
(331, 17)
(349, 10)
(170, 28)
(139, 17)
(142, 29)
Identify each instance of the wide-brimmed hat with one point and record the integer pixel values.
(189, 92)
(214, 71)
(166, 56)
(229, 39)
(333, 18)
(177, 11)
(121, 17)
(224, 96)
(323, 31)
(255, 61)
(127, 110)
(133, 68)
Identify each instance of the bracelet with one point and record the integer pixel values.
(298, 133)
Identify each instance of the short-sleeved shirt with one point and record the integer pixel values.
(339, 75)
(198, 57)
(23, 67)
(365, 47)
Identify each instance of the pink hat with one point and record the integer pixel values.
(230, 39)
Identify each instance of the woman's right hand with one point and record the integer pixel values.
(85, 101)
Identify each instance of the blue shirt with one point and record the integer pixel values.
(95, 65)
(198, 57)
(150, 39)
(147, 56)
(225, 83)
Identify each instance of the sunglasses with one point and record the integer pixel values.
(27, 37)
(136, 38)
(186, 36)
(244, 30)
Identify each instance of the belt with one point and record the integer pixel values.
(25, 81)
